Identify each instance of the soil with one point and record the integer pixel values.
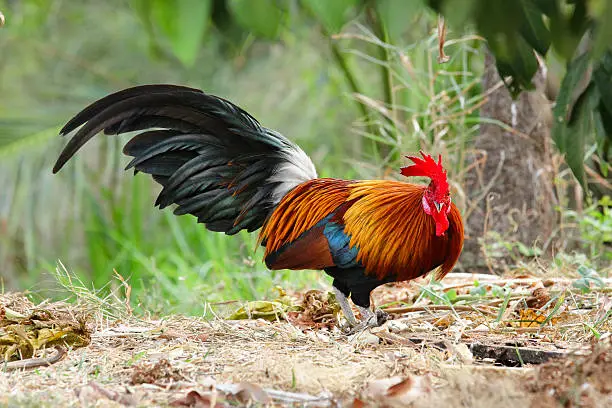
(477, 353)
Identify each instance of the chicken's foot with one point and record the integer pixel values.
(368, 317)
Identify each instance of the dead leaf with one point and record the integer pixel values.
(247, 392)
(153, 373)
(20, 341)
(442, 57)
(534, 318)
(201, 337)
(317, 311)
(170, 335)
(604, 308)
(391, 338)
(445, 321)
(264, 309)
(356, 403)
(243, 393)
(196, 399)
(89, 394)
(27, 329)
(18, 304)
(539, 297)
(462, 351)
(398, 391)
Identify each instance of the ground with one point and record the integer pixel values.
(538, 342)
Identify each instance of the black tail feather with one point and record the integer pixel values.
(102, 104)
(143, 141)
(163, 180)
(212, 158)
(164, 164)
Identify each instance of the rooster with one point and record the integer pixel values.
(216, 162)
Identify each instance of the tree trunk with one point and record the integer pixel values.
(511, 196)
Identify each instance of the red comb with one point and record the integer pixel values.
(427, 167)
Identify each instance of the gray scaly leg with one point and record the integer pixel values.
(346, 307)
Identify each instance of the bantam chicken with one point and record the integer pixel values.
(216, 162)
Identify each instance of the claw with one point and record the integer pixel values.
(381, 316)
(368, 319)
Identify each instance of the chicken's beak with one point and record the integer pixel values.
(438, 206)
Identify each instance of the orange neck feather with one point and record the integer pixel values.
(395, 235)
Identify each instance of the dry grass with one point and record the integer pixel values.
(428, 354)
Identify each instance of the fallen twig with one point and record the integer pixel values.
(280, 396)
(393, 338)
(489, 279)
(36, 362)
(459, 308)
(10, 314)
(408, 309)
(509, 356)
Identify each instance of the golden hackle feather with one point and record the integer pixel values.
(301, 209)
(393, 233)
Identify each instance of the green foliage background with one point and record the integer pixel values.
(356, 83)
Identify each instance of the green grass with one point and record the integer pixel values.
(97, 219)
(100, 222)
(171, 258)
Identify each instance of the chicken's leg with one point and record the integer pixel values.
(346, 307)
(368, 317)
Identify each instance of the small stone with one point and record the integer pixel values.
(397, 326)
(365, 338)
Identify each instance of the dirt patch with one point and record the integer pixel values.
(429, 353)
(574, 382)
(160, 373)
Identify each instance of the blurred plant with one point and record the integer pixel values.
(595, 227)
(516, 33)
(183, 23)
(405, 99)
(93, 216)
(520, 32)
(97, 220)
(434, 292)
(240, 21)
(588, 278)
(480, 289)
(497, 247)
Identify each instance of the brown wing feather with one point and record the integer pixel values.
(309, 251)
